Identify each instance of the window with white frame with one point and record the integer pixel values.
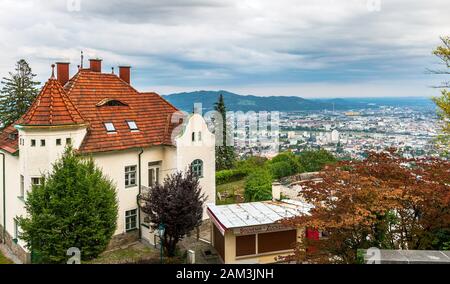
(132, 125)
(130, 220)
(110, 127)
(197, 167)
(35, 181)
(16, 230)
(154, 169)
(130, 176)
(22, 187)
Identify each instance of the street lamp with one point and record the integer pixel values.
(161, 230)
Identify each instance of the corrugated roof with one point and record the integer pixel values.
(257, 213)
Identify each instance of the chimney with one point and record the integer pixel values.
(124, 73)
(62, 72)
(95, 65)
(276, 191)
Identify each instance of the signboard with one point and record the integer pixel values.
(260, 229)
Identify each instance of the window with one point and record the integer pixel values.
(33, 143)
(132, 125)
(130, 176)
(199, 136)
(193, 136)
(110, 127)
(110, 102)
(22, 187)
(42, 143)
(68, 141)
(16, 230)
(130, 220)
(197, 167)
(35, 181)
(58, 142)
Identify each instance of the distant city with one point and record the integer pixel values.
(347, 127)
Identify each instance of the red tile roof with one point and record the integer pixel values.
(87, 92)
(51, 107)
(9, 139)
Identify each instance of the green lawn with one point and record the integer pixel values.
(232, 189)
(4, 260)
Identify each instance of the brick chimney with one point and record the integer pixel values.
(124, 73)
(95, 65)
(62, 72)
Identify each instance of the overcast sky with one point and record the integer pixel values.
(320, 48)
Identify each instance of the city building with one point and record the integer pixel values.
(136, 138)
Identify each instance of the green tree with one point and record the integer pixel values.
(225, 156)
(258, 186)
(17, 94)
(443, 101)
(291, 160)
(177, 204)
(313, 161)
(75, 206)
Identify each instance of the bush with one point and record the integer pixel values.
(290, 160)
(280, 169)
(258, 186)
(226, 176)
(313, 161)
(75, 206)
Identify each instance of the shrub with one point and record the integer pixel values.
(75, 206)
(226, 176)
(292, 162)
(280, 169)
(258, 186)
(313, 161)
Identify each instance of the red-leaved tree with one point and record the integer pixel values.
(384, 201)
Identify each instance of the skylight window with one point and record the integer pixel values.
(110, 127)
(132, 125)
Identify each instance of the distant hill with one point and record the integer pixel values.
(235, 102)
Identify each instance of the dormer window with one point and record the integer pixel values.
(111, 102)
(110, 127)
(132, 125)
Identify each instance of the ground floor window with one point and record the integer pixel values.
(130, 220)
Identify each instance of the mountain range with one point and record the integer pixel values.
(236, 102)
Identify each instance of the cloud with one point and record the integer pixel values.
(185, 43)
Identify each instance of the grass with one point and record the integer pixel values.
(4, 260)
(232, 188)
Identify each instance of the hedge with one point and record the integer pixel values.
(226, 176)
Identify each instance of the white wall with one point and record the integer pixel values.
(188, 151)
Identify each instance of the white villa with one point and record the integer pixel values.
(136, 138)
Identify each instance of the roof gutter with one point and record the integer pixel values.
(4, 197)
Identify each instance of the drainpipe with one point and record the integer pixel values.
(4, 197)
(137, 198)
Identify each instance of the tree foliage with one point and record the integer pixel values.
(177, 203)
(443, 101)
(313, 161)
(225, 156)
(17, 94)
(385, 201)
(75, 206)
(258, 186)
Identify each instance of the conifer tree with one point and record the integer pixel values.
(225, 156)
(17, 94)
